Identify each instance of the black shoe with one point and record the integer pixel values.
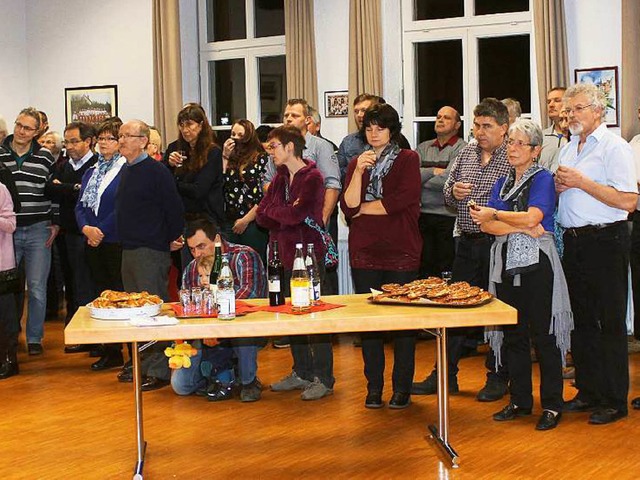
(77, 348)
(577, 405)
(635, 403)
(399, 400)
(282, 342)
(9, 367)
(603, 416)
(429, 386)
(492, 391)
(126, 374)
(153, 383)
(108, 361)
(374, 400)
(252, 392)
(34, 348)
(96, 351)
(220, 392)
(511, 412)
(548, 420)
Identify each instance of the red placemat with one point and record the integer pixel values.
(286, 308)
(242, 308)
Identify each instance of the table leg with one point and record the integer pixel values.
(137, 388)
(441, 433)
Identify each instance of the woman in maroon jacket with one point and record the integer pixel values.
(297, 192)
(382, 202)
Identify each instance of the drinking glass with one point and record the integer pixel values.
(196, 300)
(185, 300)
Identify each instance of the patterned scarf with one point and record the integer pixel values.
(90, 196)
(380, 170)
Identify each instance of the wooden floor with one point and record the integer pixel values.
(61, 421)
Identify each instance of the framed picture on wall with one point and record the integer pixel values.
(91, 104)
(606, 79)
(336, 104)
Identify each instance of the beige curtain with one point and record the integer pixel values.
(167, 68)
(365, 51)
(551, 49)
(302, 76)
(630, 85)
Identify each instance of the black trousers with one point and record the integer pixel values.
(9, 325)
(635, 271)
(471, 264)
(438, 249)
(596, 265)
(404, 341)
(532, 299)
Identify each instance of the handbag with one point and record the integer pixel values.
(331, 252)
(9, 281)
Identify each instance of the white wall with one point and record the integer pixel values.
(14, 74)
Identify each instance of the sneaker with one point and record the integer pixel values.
(34, 348)
(251, 392)
(282, 342)
(315, 390)
(492, 391)
(290, 382)
(429, 386)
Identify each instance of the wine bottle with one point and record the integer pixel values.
(299, 282)
(217, 264)
(275, 271)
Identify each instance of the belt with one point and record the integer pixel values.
(477, 236)
(589, 229)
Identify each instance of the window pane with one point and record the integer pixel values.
(434, 9)
(504, 69)
(485, 7)
(227, 87)
(226, 20)
(269, 16)
(273, 88)
(439, 76)
(426, 131)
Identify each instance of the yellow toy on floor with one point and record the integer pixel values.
(180, 355)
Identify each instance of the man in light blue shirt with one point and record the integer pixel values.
(597, 185)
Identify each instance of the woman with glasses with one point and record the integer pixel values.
(96, 218)
(526, 273)
(244, 161)
(382, 201)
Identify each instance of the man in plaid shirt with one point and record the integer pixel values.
(476, 169)
(250, 281)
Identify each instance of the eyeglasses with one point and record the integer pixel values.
(26, 128)
(127, 136)
(73, 141)
(107, 139)
(273, 145)
(577, 108)
(519, 143)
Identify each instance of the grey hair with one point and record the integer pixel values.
(143, 128)
(33, 113)
(513, 105)
(529, 128)
(56, 138)
(3, 125)
(313, 113)
(593, 93)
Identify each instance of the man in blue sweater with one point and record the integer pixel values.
(150, 221)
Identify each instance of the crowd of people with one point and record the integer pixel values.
(537, 217)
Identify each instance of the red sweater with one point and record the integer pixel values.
(285, 218)
(393, 241)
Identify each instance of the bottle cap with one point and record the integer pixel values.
(298, 245)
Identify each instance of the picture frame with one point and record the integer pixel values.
(91, 104)
(606, 79)
(336, 103)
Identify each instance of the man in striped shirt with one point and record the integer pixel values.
(31, 166)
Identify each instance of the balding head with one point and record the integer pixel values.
(447, 123)
(133, 139)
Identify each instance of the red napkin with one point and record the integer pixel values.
(286, 308)
(242, 308)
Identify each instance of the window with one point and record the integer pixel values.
(460, 51)
(242, 60)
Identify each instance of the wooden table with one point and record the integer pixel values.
(358, 315)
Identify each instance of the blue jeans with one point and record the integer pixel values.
(247, 353)
(30, 245)
(215, 364)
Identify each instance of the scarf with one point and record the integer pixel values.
(561, 323)
(523, 251)
(380, 170)
(90, 196)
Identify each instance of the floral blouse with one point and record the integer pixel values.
(241, 195)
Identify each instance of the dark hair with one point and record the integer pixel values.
(110, 125)
(492, 107)
(205, 142)
(363, 97)
(299, 101)
(263, 132)
(286, 134)
(85, 129)
(205, 224)
(247, 148)
(384, 116)
(553, 89)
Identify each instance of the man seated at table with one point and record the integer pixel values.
(249, 279)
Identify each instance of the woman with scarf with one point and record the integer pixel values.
(526, 273)
(382, 202)
(243, 162)
(96, 218)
